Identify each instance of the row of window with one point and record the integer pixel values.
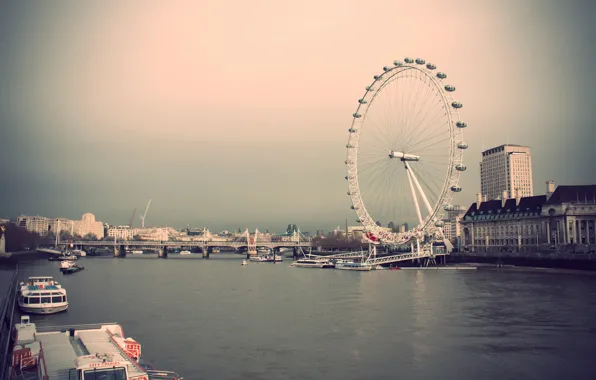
(35, 300)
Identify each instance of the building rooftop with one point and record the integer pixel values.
(573, 194)
(496, 148)
(496, 209)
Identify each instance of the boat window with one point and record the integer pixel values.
(63, 298)
(33, 300)
(105, 374)
(24, 300)
(46, 299)
(56, 299)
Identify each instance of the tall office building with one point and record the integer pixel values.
(506, 169)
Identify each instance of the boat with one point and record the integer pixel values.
(313, 263)
(244, 262)
(68, 267)
(79, 252)
(258, 259)
(42, 295)
(358, 266)
(136, 252)
(275, 258)
(185, 252)
(98, 351)
(63, 256)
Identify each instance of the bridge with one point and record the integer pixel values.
(206, 247)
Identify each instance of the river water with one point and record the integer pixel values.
(216, 319)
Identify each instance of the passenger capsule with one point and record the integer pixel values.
(352, 207)
(430, 66)
(456, 105)
(346, 178)
(441, 75)
(349, 146)
(349, 193)
(369, 88)
(397, 63)
(386, 68)
(461, 124)
(439, 223)
(356, 115)
(420, 61)
(462, 145)
(456, 189)
(362, 101)
(377, 77)
(450, 88)
(408, 60)
(358, 221)
(460, 167)
(351, 130)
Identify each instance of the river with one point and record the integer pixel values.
(209, 319)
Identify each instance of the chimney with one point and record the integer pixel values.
(503, 198)
(478, 200)
(517, 196)
(550, 189)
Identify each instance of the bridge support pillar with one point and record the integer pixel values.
(206, 253)
(119, 251)
(295, 253)
(162, 253)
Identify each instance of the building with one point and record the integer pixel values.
(564, 216)
(88, 225)
(452, 226)
(37, 224)
(120, 232)
(506, 168)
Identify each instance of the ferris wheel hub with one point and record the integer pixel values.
(403, 156)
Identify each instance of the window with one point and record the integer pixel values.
(105, 374)
(46, 299)
(56, 299)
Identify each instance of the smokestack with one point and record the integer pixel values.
(478, 200)
(517, 196)
(550, 189)
(503, 198)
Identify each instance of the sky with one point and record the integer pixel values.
(235, 114)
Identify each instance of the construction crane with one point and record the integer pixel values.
(132, 217)
(145, 214)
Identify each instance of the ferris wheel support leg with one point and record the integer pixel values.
(424, 198)
(414, 194)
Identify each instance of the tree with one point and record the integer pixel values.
(90, 236)
(19, 239)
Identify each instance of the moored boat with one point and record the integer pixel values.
(83, 352)
(357, 266)
(42, 295)
(313, 263)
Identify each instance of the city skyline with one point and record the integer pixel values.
(231, 120)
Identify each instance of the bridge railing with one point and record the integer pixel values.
(7, 313)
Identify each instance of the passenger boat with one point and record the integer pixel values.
(244, 262)
(185, 252)
(82, 352)
(258, 259)
(42, 295)
(68, 267)
(312, 263)
(358, 266)
(63, 257)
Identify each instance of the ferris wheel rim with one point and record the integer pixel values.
(456, 142)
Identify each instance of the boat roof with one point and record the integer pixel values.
(40, 277)
(37, 287)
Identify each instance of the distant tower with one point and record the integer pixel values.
(506, 168)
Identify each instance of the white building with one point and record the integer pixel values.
(37, 224)
(452, 227)
(121, 232)
(506, 168)
(88, 225)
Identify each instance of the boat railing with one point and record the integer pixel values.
(65, 328)
(160, 375)
(7, 312)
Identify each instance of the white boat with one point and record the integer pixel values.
(185, 252)
(83, 352)
(65, 264)
(312, 263)
(42, 295)
(244, 262)
(258, 259)
(79, 252)
(137, 252)
(359, 266)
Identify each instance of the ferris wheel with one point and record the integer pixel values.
(405, 153)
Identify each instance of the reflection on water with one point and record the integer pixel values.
(217, 319)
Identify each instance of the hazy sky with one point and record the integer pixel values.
(235, 114)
